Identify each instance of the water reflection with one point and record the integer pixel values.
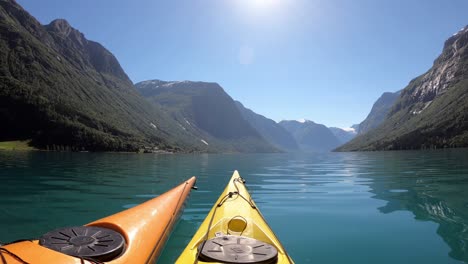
(384, 207)
(434, 188)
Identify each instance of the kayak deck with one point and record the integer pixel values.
(145, 229)
(234, 215)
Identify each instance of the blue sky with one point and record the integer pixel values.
(322, 60)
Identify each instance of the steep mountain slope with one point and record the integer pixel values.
(269, 129)
(432, 111)
(207, 111)
(343, 135)
(311, 136)
(379, 112)
(68, 93)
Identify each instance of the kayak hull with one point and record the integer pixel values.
(233, 214)
(145, 228)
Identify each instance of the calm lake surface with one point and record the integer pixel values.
(377, 207)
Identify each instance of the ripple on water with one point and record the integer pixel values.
(61, 183)
(150, 196)
(127, 206)
(398, 190)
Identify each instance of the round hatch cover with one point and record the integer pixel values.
(238, 249)
(98, 243)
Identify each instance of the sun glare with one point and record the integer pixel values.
(262, 4)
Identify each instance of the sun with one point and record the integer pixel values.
(262, 4)
(260, 10)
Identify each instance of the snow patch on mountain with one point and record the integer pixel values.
(303, 120)
(349, 129)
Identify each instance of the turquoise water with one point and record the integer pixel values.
(381, 207)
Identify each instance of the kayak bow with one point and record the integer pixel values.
(136, 235)
(234, 232)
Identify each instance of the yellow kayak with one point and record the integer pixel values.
(234, 232)
(136, 235)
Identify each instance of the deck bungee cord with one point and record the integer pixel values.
(16, 257)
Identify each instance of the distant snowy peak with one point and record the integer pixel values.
(300, 122)
(297, 121)
(349, 129)
(152, 83)
(343, 134)
(155, 84)
(463, 30)
(159, 84)
(171, 84)
(454, 44)
(303, 121)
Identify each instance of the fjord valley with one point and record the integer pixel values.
(64, 92)
(310, 136)
(122, 122)
(207, 112)
(269, 129)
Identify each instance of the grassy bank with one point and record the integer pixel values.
(22, 145)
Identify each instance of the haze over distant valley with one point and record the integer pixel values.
(63, 91)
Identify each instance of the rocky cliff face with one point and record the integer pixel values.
(432, 111)
(83, 52)
(448, 69)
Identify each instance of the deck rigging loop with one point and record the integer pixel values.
(6, 251)
(13, 255)
(242, 181)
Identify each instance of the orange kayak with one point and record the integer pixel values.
(136, 235)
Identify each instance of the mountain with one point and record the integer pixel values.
(432, 111)
(379, 112)
(311, 136)
(343, 135)
(355, 127)
(66, 92)
(206, 111)
(269, 129)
